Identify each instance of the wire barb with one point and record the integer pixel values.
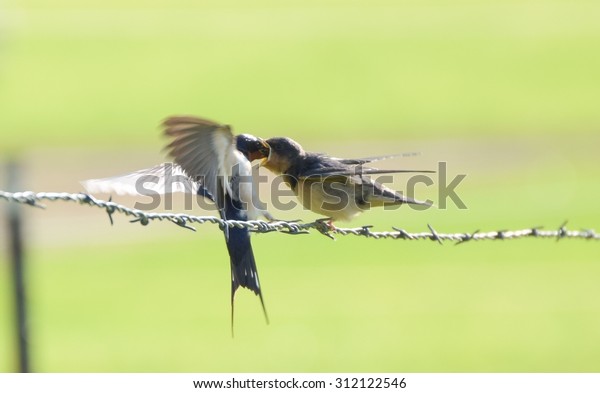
(322, 226)
(110, 210)
(434, 234)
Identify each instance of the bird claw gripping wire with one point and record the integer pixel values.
(325, 227)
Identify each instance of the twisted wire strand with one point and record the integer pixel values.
(322, 226)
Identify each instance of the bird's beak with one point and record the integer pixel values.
(259, 150)
(265, 151)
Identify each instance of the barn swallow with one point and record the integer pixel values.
(209, 153)
(209, 161)
(334, 187)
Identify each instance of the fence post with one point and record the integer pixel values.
(15, 243)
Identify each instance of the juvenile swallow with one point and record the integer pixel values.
(209, 161)
(334, 187)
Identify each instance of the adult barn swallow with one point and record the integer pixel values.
(209, 161)
(209, 153)
(334, 187)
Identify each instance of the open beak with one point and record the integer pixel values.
(265, 151)
(261, 150)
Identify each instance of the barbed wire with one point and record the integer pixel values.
(290, 227)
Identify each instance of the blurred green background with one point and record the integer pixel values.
(505, 92)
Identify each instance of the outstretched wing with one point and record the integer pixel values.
(205, 150)
(165, 178)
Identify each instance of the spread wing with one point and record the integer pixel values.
(206, 152)
(162, 179)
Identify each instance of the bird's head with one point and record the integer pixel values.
(252, 147)
(282, 152)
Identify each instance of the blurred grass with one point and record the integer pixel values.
(352, 305)
(503, 90)
(93, 75)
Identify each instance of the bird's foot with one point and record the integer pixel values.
(325, 226)
(328, 222)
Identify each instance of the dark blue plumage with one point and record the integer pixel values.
(241, 257)
(219, 164)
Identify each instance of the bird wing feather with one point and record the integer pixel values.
(366, 160)
(332, 174)
(206, 152)
(165, 178)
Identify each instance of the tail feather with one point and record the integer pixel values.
(243, 265)
(381, 195)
